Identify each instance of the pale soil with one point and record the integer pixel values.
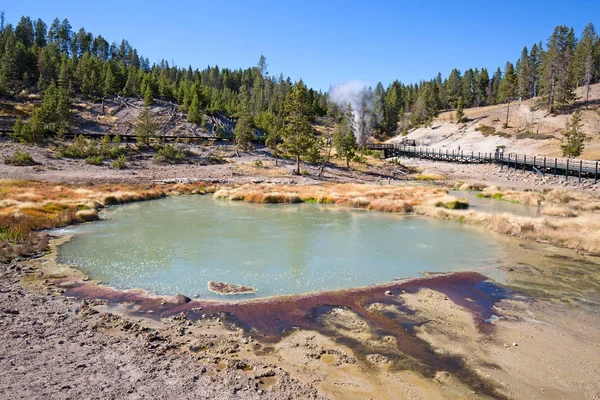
(488, 175)
(445, 133)
(216, 163)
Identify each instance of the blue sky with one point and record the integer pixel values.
(323, 42)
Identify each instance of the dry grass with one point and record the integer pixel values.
(370, 197)
(30, 206)
(571, 219)
(580, 233)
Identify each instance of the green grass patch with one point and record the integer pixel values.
(491, 131)
(533, 135)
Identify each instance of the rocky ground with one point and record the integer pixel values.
(502, 177)
(60, 348)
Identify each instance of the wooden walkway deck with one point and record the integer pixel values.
(537, 164)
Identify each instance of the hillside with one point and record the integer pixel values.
(531, 129)
(118, 115)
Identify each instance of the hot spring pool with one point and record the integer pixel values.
(178, 244)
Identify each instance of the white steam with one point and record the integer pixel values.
(359, 95)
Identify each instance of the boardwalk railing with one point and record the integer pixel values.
(538, 164)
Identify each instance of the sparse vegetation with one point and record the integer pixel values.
(94, 160)
(120, 162)
(429, 177)
(171, 154)
(20, 159)
(533, 135)
(491, 131)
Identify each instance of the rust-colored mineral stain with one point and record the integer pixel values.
(270, 318)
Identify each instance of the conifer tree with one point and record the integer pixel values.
(460, 114)
(344, 139)
(509, 88)
(586, 59)
(194, 115)
(453, 88)
(299, 135)
(574, 136)
(55, 112)
(524, 75)
(145, 126)
(557, 81)
(148, 98)
(244, 128)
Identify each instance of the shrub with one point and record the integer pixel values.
(94, 160)
(80, 148)
(20, 159)
(490, 131)
(533, 135)
(170, 154)
(120, 162)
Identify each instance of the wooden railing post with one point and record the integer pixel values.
(567, 171)
(580, 166)
(596, 173)
(544, 170)
(555, 161)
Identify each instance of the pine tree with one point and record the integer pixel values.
(9, 64)
(145, 126)
(586, 60)
(468, 88)
(148, 97)
(344, 139)
(453, 88)
(535, 63)
(493, 94)
(55, 112)
(556, 78)
(574, 136)
(299, 135)
(244, 128)
(273, 138)
(509, 88)
(377, 106)
(460, 114)
(194, 115)
(524, 75)
(482, 83)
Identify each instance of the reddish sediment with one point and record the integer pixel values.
(271, 318)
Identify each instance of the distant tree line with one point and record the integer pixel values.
(35, 57)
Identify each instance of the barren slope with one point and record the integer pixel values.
(544, 129)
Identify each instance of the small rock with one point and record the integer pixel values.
(388, 293)
(515, 344)
(178, 299)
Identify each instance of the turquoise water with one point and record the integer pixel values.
(176, 245)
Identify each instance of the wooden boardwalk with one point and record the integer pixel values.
(537, 164)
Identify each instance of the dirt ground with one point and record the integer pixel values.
(217, 163)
